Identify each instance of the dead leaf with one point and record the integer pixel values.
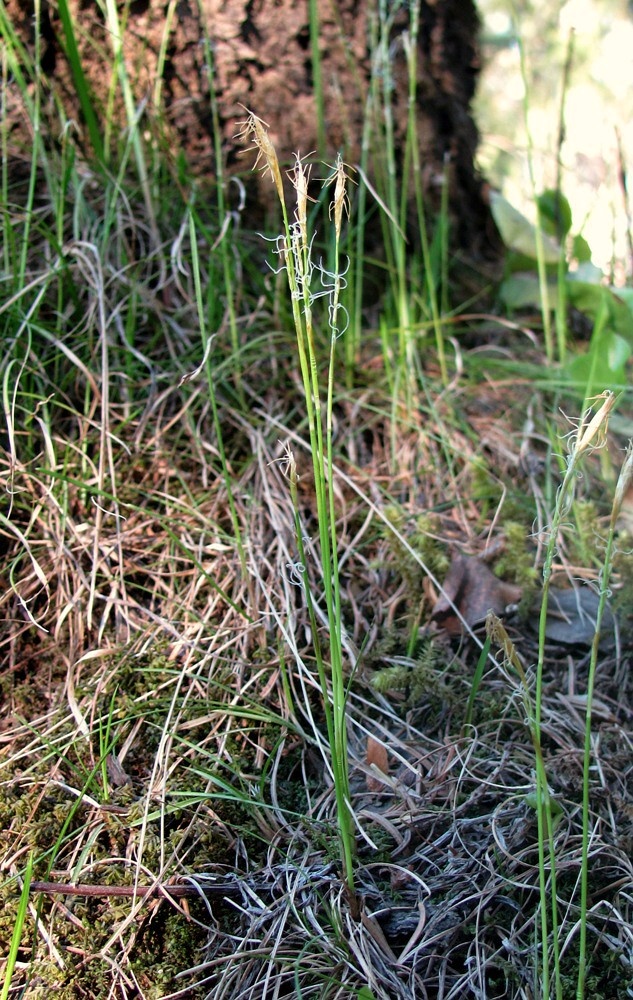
(571, 617)
(474, 590)
(376, 757)
(118, 777)
(415, 937)
(375, 930)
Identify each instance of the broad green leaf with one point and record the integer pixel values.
(580, 250)
(590, 298)
(523, 290)
(586, 296)
(626, 297)
(555, 213)
(518, 233)
(603, 366)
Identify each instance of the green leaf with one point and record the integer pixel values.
(603, 366)
(586, 297)
(82, 87)
(580, 250)
(518, 233)
(555, 213)
(474, 687)
(625, 296)
(591, 298)
(557, 812)
(521, 291)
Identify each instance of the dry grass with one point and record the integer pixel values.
(162, 717)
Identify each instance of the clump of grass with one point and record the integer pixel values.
(398, 193)
(295, 250)
(105, 815)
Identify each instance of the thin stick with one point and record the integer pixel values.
(223, 888)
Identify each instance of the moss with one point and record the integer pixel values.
(608, 974)
(381, 851)
(485, 489)
(175, 944)
(166, 944)
(517, 564)
(420, 535)
(587, 541)
(130, 673)
(81, 841)
(422, 678)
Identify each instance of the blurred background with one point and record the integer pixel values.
(578, 68)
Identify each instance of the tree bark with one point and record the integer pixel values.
(261, 52)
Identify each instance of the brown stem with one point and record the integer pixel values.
(224, 888)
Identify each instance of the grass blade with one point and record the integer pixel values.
(17, 929)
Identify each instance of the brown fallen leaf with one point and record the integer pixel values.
(117, 775)
(376, 755)
(474, 590)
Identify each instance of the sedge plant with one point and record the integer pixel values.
(294, 248)
(624, 480)
(399, 194)
(395, 238)
(589, 434)
(591, 429)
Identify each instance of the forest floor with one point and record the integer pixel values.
(165, 762)
(168, 803)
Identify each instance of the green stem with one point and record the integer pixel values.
(621, 487)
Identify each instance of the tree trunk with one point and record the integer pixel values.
(263, 60)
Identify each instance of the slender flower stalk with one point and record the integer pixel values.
(294, 248)
(624, 480)
(590, 433)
